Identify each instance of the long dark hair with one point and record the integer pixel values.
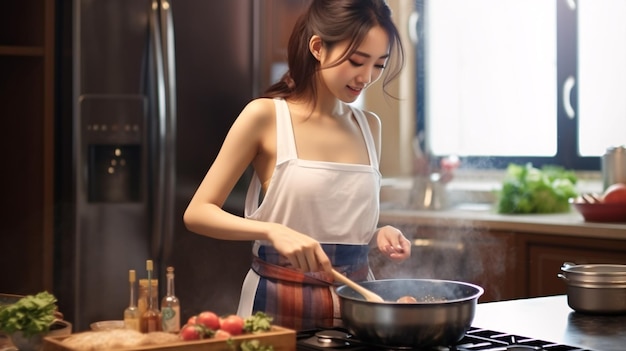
(335, 21)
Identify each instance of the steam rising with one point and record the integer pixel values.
(439, 251)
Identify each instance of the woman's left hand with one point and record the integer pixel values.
(392, 243)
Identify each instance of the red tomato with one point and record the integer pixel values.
(232, 324)
(221, 334)
(191, 332)
(192, 320)
(209, 320)
(615, 194)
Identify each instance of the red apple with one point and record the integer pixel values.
(615, 194)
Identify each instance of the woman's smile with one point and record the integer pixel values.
(355, 91)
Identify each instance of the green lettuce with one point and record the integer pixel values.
(32, 314)
(526, 189)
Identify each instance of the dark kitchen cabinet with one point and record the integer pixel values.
(541, 256)
(486, 258)
(27, 108)
(277, 21)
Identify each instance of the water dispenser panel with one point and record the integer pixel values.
(114, 173)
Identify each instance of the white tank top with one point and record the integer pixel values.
(335, 203)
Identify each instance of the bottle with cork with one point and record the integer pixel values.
(142, 303)
(131, 313)
(170, 306)
(151, 318)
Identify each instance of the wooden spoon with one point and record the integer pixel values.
(368, 295)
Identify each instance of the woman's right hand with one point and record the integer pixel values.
(303, 252)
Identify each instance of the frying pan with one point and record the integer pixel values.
(442, 315)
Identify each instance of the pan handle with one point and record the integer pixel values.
(562, 277)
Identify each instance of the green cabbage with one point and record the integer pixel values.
(527, 189)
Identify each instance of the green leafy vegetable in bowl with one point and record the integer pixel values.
(31, 315)
(527, 189)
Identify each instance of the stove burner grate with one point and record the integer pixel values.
(475, 339)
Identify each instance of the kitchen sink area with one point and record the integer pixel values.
(471, 199)
(410, 193)
(468, 190)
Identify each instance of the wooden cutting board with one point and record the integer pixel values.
(281, 339)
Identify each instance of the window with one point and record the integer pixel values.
(538, 81)
(601, 74)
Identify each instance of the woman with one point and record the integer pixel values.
(313, 201)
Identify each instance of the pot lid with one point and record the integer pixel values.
(601, 273)
(593, 269)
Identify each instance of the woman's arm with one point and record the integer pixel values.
(204, 214)
(251, 140)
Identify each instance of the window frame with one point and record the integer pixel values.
(567, 154)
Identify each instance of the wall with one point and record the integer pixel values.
(397, 115)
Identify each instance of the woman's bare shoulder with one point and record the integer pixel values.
(253, 121)
(260, 109)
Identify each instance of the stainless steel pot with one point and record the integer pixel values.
(595, 288)
(444, 312)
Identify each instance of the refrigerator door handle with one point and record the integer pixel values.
(157, 132)
(169, 184)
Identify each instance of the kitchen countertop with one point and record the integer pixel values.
(570, 224)
(551, 319)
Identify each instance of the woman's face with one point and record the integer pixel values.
(347, 80)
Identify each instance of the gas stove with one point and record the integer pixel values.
(475, 339)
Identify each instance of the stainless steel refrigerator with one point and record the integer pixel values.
(155, 86)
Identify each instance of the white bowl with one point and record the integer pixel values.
(107, 325)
